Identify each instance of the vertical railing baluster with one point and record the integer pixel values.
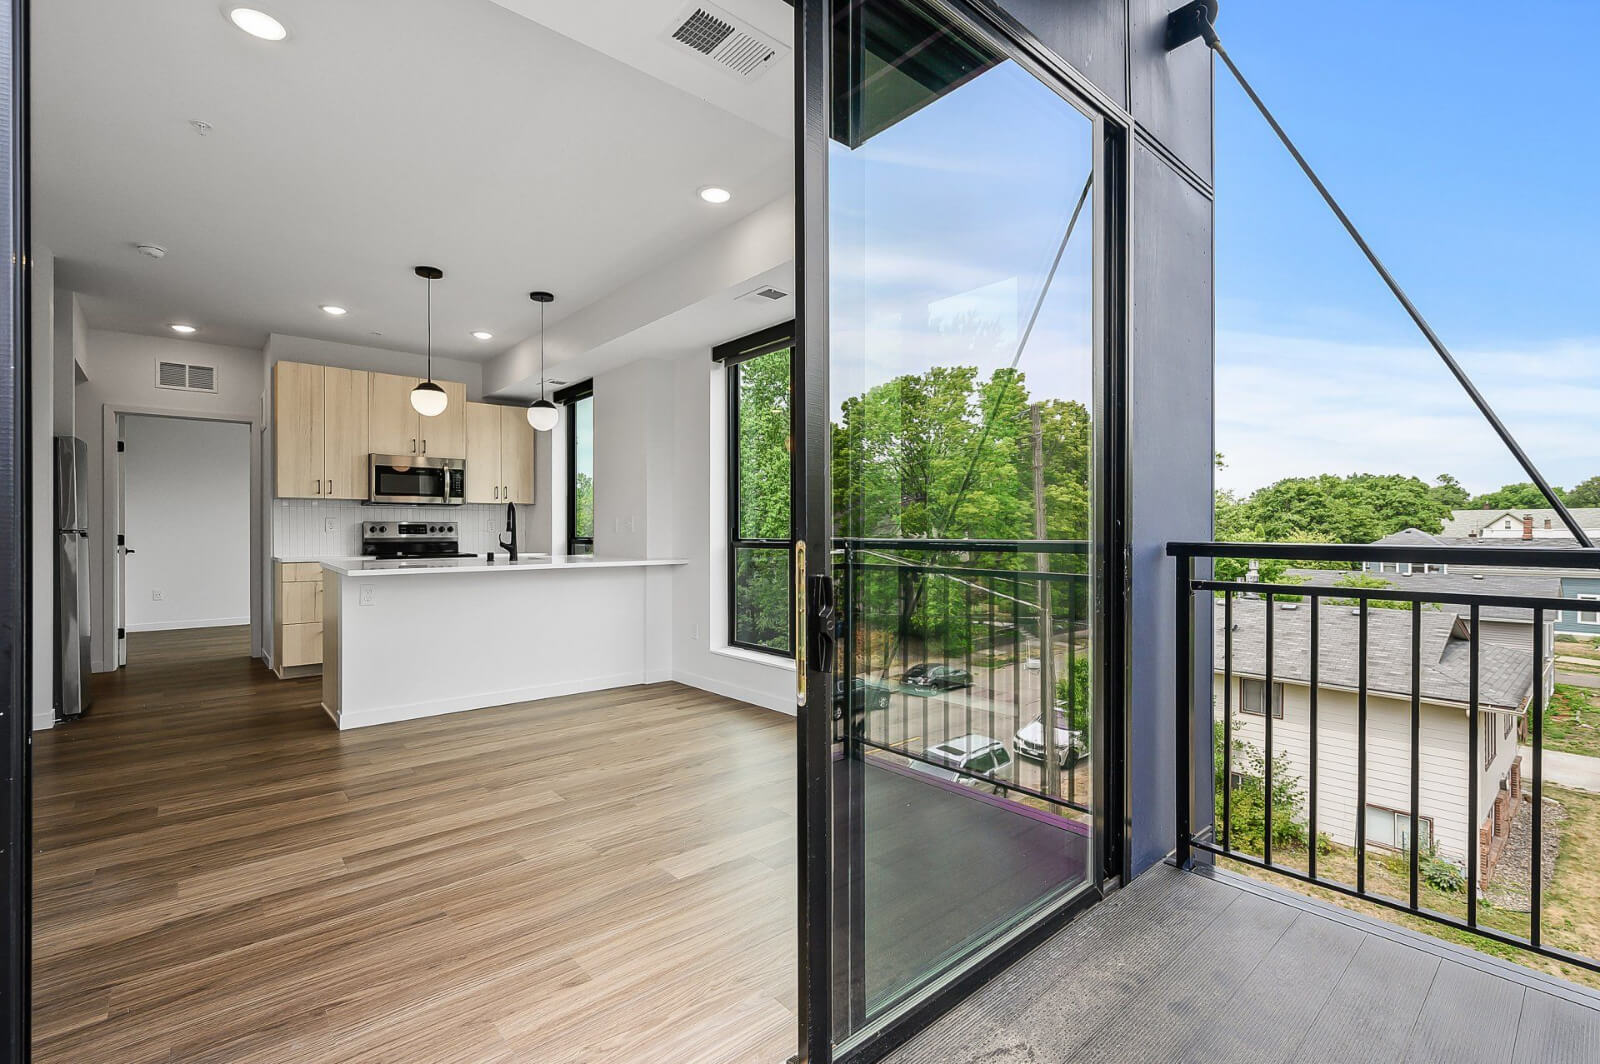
(1311, 746)
(1072, 687)
(1474, 771)
(1018, 670)
(1227, 721)
(1361, 749)
(1416, 749)
(966, 640)
(1266, 835)
(1536, 870)
(1183, 750)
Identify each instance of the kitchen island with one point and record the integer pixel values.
(420, 638)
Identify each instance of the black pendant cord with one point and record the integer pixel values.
(1208, 34)
(430, 330)
(541, 352)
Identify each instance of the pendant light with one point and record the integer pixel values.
(427, 398)
(542, 415)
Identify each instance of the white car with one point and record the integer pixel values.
(964, 760)
(1070, 745)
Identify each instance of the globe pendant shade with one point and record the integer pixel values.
(543, 415)
(428, 399)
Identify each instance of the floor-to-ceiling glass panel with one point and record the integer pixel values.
(963, 364)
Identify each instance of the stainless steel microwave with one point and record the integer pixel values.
(414, 479)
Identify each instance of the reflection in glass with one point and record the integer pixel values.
(581, 476)
(963, 369)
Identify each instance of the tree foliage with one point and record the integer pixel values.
(1524, 496)
(1587, 493)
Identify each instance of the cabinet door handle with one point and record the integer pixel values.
(319, 487)
(497, 493)
(424, 446)
(330, 487)
(413, 446)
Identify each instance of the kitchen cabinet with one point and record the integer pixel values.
(499, 454)
(297, 627)
(320, 431)
(395, 427)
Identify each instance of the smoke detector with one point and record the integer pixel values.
(151, 251)
(734, 46)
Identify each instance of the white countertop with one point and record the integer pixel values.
(371, 567)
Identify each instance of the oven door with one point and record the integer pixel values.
(410, 479)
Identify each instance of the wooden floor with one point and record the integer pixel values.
(223, 877)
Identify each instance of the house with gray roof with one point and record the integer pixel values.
(1506, 677)
(1501, 525)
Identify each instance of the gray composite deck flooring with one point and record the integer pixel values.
(1183, 966)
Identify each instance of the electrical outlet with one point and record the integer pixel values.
(330, 525)
(157, 595)
(369, 594)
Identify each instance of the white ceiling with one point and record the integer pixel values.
(382, 134)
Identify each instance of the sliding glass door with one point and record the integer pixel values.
(965, 390)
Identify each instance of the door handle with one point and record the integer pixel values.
(821, 628)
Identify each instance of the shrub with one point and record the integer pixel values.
(1440, 874)
(1247, 826)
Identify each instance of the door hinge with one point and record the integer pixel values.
(121, 446)
(122, 541)
(122, 633)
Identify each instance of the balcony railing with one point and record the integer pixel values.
(1002, 621)
(1418, 652)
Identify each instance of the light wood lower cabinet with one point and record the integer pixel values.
(298, 628)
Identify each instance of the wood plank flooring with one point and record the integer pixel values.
(221, 876)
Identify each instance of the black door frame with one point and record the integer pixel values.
(16, 591)
(812, 481)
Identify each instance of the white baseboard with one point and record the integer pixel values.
(45, 720)
(778, 703)
(176, 626)
(366, 718)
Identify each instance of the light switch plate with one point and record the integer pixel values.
(157, 595)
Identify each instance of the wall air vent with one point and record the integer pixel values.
(732, 45)
(764, 294)
(182, 377)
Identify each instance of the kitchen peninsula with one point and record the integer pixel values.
(408, 639)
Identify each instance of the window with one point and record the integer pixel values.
(760, 373)
(579, 401)
(1391, 829)
(1589, 616)
(1252, 698)
(1489, 737)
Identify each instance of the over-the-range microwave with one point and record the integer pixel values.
(413, 479)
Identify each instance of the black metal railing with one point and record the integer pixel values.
(991, 614)
(1200, 791)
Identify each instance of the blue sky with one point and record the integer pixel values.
(1462, 141)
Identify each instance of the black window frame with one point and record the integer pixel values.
(732, 355)
(568, 398)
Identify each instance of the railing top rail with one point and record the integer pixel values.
(1525, 557)
(1334, 591)
(977, 546)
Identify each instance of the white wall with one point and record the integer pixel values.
(188, 519)
(120, 370)
(42, 413)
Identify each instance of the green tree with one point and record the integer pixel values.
(1449, 492)
(1587, 493)
(1524, 496)
(1247, 819)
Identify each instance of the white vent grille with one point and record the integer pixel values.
(182, 377)
(739, 49)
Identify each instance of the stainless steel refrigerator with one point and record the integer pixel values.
(72, 577)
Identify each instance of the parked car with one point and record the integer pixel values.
(940, 677)
(864, 695)
(915, 673)
(965, 759)
(1070, 745)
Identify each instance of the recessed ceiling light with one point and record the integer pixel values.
(482, 334)
(180, 327)
(338, 312)
(258, 23)
(713, 194)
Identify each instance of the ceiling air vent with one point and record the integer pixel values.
(739, 49)
(764, 294)
(181, 377)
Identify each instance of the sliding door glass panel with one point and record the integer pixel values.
(964, 370)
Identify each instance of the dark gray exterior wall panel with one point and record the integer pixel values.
(1170, 474)
(1090, 35)
(1170, 92)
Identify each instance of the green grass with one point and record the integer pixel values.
(1572, 721)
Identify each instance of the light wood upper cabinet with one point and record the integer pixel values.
(297, 418)
(445, 436)
(392, 420)
(516, 454)
(483, 452)
(344, 415)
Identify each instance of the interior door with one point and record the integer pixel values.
(952, 266)
(124, 548)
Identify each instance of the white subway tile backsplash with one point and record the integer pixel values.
(299, 526)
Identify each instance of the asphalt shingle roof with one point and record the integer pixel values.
(1474, 580)
(1463, 523)
(1505, 675)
